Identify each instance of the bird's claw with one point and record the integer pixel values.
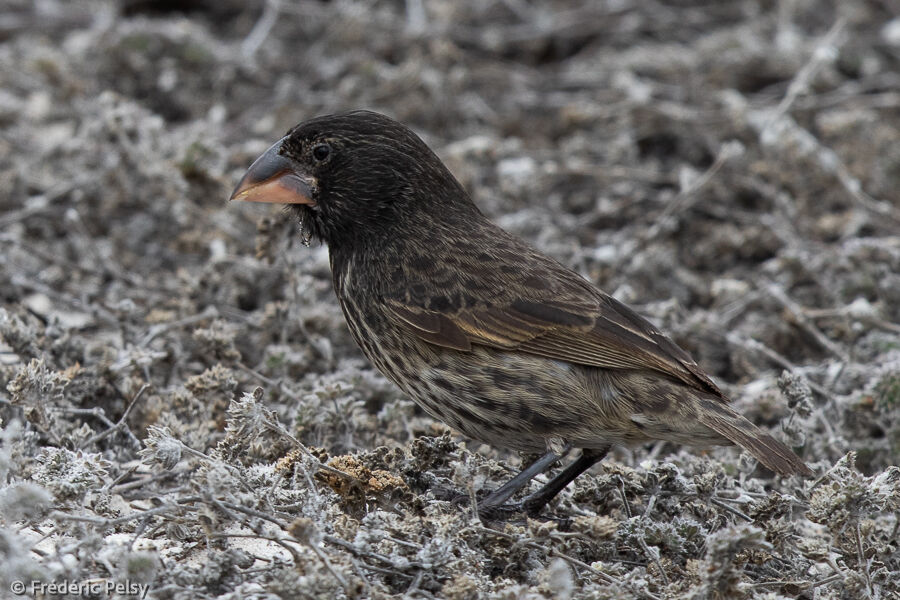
(500, 512)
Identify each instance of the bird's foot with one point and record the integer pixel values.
(448, 494)
(530, 507)
(487, 511)
(500, 512)
(455, 497)
(518, 512)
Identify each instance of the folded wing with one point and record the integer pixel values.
(580, 325)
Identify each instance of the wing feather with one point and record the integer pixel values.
(598, 331)
(433, 327)
(525, 301)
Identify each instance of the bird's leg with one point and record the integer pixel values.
(502, 494)
(533, 503)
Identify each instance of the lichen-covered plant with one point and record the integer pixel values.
(182, 406)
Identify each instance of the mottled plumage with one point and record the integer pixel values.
(483, 331)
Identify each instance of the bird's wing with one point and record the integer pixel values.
(578, 324)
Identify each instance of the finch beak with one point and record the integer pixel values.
(274, 178)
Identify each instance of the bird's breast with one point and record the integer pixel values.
(506, 398)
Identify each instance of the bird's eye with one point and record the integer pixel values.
(321, 152)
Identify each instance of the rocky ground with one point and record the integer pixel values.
(182, 406)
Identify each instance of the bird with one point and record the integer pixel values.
(485, 333)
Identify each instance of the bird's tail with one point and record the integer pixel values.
(773, 454)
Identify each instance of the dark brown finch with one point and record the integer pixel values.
(483, 331)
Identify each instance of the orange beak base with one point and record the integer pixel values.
(272, 178)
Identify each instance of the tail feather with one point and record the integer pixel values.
(773, 454)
